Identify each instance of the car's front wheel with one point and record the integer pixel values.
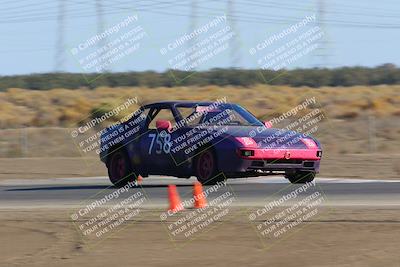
(206, 168)
(120, 170)
(301, 177)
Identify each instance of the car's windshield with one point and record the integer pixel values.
(223, 114)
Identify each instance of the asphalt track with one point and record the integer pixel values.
(71, 192)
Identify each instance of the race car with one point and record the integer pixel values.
(213, 141)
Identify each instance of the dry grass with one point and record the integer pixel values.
(358, 120)
(62, 107)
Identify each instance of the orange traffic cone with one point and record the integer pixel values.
(139, 179)
(175, 203)
(199, 198)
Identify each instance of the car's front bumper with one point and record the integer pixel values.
(281, 159)
(283, 165)
(270, 160)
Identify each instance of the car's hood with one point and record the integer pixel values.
(268, 137)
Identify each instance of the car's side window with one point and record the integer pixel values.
(162, 114)
(139, 117)
(189, 115)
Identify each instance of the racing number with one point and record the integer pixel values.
(163, 143)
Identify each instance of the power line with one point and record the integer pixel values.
(44, 15)
(243, 2)
(8, 9)
(308, 8)
(249, 18)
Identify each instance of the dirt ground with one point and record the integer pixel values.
(339, 237)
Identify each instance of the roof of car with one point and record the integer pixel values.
(176, 102)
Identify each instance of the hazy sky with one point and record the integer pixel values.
(355, 32)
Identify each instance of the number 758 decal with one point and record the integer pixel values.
(162, 143)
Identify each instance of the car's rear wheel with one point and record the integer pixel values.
(206, 168)
(120, 170)
(301, 177)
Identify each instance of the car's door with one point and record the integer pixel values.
(156, 147)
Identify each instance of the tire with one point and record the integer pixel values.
(120, 169)
(206, 169)
(301, 177)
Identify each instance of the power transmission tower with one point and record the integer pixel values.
(321, 54)
(234, 41)
(100, 25)
(60, 46)
(192, 28)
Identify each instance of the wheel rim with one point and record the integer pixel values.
(118, 167)
(205, 165)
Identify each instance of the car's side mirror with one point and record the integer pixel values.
(268, 124)
(163, 125)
